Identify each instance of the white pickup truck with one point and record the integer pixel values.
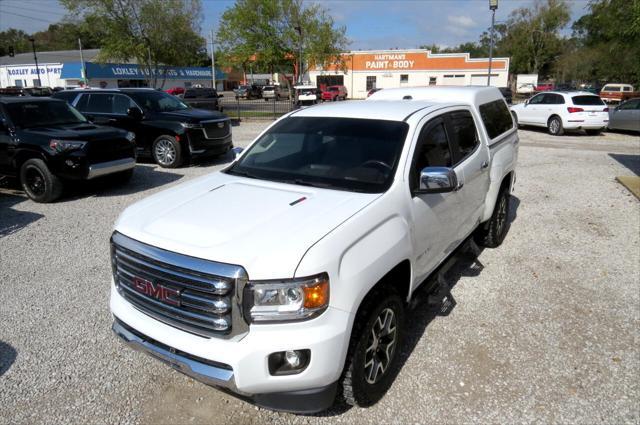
(285, 277)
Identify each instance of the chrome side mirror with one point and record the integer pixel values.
(438, 180)
(237, 151)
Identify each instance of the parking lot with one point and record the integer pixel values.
(545, 328)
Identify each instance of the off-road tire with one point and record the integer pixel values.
(167, 160)
(355, 390)
(554, 126)
(38, 182)
(492, 233)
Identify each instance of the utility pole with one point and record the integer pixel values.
(83, 69)
(35, 58)
(213, 62)
(493, 5)
(299, 30)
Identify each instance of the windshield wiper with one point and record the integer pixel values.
(302, 182)
(243, 174)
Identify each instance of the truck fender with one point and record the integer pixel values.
(362, 263)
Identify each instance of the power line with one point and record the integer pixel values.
(26, 9)
(30, 17)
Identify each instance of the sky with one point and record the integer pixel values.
(371, 24)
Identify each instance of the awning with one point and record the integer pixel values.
(71, 70)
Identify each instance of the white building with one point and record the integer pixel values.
(364, 70)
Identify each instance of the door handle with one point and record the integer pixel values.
(484, 165)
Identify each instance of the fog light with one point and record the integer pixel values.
(292, 358)
(288, 362)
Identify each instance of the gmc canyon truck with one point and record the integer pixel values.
(285, 278)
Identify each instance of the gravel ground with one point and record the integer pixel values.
(543, 329)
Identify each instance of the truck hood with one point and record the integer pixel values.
(253, 223)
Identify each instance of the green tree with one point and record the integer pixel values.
(17, 39)
(531, 36)
(605, 44)
(154, 32)
(271, 34)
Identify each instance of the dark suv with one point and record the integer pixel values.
(45, 142)
(166, 128)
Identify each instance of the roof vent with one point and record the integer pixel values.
(407, 97)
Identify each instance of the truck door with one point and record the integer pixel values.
(471, 158)
(436, 216)
(7, 145)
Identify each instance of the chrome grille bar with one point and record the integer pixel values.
(191, 294)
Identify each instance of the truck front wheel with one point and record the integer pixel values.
(372, 360)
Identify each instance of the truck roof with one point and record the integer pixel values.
(468, 95)
(391, 110)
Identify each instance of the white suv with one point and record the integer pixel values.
(560, 111)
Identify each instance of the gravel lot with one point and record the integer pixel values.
(544, 329)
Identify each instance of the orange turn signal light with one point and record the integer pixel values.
(317, 295)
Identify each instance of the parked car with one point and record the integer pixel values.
(615, 93)
(544, 87)
(625, 116)
(47, 144)
(566, 87)
(334, 93)
(275, 92)
(526, 88)
(26, 91)
(306, 95)
(372, 91)
(288, 275)
(176, 90)
(166, 128)
(560, 111)
(202, 98)
(507, 94)
(248, 92)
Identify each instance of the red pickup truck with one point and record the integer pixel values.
(544, 87)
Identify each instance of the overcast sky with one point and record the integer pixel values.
(371, 24)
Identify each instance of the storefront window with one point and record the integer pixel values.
(404, 78)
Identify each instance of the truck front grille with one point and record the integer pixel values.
(188, 293)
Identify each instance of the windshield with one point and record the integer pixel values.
(268, 88)
(157, 101)
(338, 153)
(41, 114)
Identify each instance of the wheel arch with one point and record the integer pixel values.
(24, 155)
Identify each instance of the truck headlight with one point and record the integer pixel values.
(191, 125)
(66, 145)
(287, 299)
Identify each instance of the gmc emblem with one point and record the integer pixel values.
(157, 291)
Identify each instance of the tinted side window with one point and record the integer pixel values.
(82, 103)
(434, 149)
(496, 118)
(554, 99)
(100, 103)
(67, 96)
(463, 135)
(121, 104)
(630, 105)
(535, 100)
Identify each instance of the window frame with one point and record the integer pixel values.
(428, 126)
(453, 142)
(77, 101)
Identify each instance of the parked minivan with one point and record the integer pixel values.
(166, 128)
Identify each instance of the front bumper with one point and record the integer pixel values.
(110, 167)
(239, 365)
